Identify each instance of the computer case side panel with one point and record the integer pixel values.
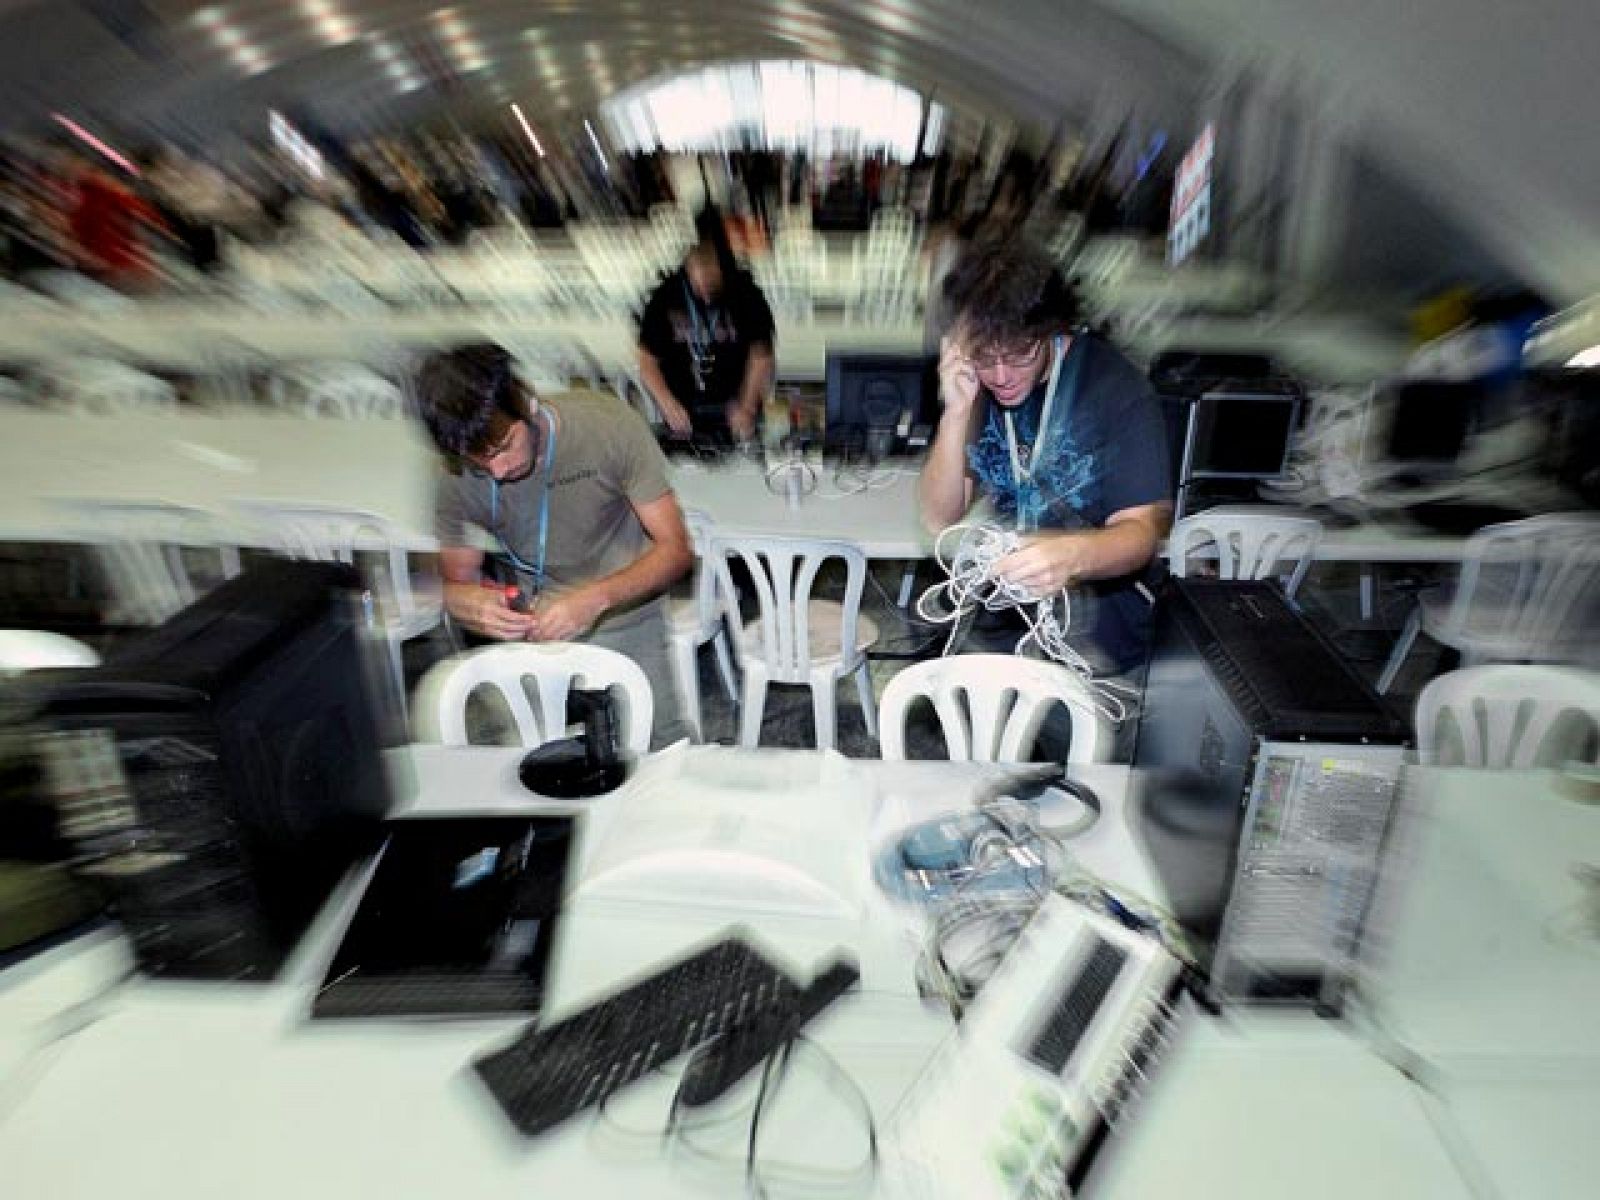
(1193, 757)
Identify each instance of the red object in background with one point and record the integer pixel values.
(105, 224)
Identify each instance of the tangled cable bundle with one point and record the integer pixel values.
(974, 582)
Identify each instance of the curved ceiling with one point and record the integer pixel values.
(1478, 105)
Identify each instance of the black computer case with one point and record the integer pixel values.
(1266, 772)
(220, 774)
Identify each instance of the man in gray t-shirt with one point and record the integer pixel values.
(572, 492)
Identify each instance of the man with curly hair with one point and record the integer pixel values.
(1063, 438)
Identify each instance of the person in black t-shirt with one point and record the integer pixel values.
(705, 343)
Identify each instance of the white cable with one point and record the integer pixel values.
(974, 582)
(803, 471)
(853, 480)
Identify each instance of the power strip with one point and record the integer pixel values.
(1050, 1053)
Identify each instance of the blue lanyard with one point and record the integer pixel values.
(536, 570)
(1023, 474)
(702, 334)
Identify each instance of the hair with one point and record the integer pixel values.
(711, 235)
(1008, 291)
(461, 391)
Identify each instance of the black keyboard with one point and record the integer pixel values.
(556, 1071)
(1053, 1045)
(425, 993)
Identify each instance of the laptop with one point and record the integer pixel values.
(457, 920)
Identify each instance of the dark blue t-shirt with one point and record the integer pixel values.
(1105, 451)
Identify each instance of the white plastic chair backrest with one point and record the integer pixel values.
(783, 572)
(104, 387)
(31, 649)
(141, 543)
(1524, 582)
(550, 364)
(1509, 717)
(990, 707)
(81, 292)
(707, 610)
(1249, 545)
(554, 669)
(325, 533)
(891, 230)
(348, 391)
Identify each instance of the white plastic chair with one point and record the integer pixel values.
(347, 391)
(32, 649)
(797, 639)
(1509, 717)
(1519, 598)
(694, 618)
(143, 546)
(404, 607)
(1249, 545)
(554, 669)
(990, 707)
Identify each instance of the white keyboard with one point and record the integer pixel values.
(1047, 1057)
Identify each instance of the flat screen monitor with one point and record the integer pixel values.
(1190, 372)
(1429, 421)
(1241, 435)
(880, 397)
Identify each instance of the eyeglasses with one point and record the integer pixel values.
(1016, 360)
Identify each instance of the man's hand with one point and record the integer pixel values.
(675, 416)
(486, 611)
(1047, 562)
(569, 615)
(741, 421)
(958, 380)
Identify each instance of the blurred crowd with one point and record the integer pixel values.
(65, 206)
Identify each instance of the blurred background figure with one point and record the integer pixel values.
(706, 342)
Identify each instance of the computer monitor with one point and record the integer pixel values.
(888, 401)
(1570, 402)
(1429, 422)
(1188, 372)
(220, 773)
(1240, 435)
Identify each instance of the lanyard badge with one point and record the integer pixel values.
(533, 569)
(1030, 503)
(702, 341)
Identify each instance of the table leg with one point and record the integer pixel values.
(1367, 589)
(907, 583)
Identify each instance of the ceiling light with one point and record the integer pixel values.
(89, 139)
(331, 25)
(528, 129)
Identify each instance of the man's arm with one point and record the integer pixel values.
(1048, 562)
(574, 612)
(483, 610)
(673, 413)
(944, 489)
(758, 371)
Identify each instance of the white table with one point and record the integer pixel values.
(210, 461)
(184, 1090)
(194, 336)
(180, 1091)
(1489, 939)
(882, 519)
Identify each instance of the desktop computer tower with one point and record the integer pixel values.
(217, 777)
(1266, 773)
